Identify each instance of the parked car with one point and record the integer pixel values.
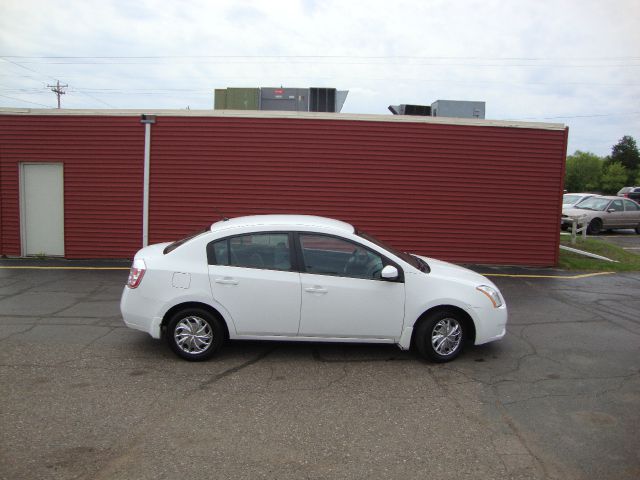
(603, 213)
(571, 199)
(305, 278)
(632, 193)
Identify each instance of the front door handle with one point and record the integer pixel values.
(226, 281)
(318, 290)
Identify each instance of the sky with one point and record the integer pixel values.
(575, 62)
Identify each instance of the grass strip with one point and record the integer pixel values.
(627, 261)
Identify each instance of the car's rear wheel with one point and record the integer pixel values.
(440, 336)
(595, 227)
(195, 334)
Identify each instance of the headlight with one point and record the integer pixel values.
(492, 293)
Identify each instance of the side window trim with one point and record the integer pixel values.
(211, 260)
(385, 260)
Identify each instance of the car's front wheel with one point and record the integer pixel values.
(440, 336)
(595, 227)
(195, 334)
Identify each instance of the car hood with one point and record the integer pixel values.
(449, 270)
(578, 212)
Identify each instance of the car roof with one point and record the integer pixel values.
(582, 194)
(609, 197)
(289, 222)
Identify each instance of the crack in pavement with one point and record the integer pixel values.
(127, 450)
(237, 368)
(319, 358)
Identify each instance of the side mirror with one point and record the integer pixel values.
(611, 210)
(389, 272)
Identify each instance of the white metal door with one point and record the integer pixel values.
(42, 202)
(350, 307)
(260, 302)
(343, 294)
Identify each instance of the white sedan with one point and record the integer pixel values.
(305, 278)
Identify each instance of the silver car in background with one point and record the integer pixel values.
(571, 199)
(604, 213)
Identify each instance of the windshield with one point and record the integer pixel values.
(410, 259)
(593, 203)
(570, 199)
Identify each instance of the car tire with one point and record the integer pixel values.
(429, 336)
(595, 227)
(195, 334)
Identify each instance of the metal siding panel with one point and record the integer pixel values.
(470, 194)
(462, 193)
(102, 159)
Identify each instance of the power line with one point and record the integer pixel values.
(43, 75)
(25, 101)
(420, 57)
(349, 63)
(326, 60)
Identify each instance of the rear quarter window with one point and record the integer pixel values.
(267, 251)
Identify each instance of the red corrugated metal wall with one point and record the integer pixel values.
(460, 193)
(103, 166)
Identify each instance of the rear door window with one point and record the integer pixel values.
(630, 206)
(269, 251)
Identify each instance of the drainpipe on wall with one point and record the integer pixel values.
(147, 120)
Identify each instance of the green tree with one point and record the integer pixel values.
(614, 177)
(626, 153)
(583, 172)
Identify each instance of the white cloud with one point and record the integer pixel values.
(569, 58)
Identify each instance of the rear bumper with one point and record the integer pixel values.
(136, 313)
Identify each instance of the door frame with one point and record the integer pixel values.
(23, 204)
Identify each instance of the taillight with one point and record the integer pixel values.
(136, 273)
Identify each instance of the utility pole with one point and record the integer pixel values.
(58, 90)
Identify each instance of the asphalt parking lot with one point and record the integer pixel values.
(84, 397)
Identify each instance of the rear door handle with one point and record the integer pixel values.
(226, 281)
(318, 290)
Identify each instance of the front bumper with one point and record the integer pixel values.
(490, 323)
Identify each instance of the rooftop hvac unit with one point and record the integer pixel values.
(322, 99)
(420, 110)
